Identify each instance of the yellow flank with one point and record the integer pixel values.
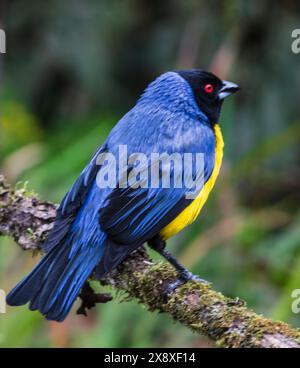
(190, 213)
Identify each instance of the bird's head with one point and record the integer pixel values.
(209, 91)
(193, 92)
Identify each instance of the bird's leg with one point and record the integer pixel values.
(159, 245)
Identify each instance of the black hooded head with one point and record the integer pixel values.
(209, 91)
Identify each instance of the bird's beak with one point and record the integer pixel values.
(228, 89)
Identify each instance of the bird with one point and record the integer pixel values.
(96, 227)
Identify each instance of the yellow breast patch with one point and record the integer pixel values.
(190, 213)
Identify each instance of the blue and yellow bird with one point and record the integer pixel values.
(97, 228)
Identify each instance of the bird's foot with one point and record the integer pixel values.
(183, 278)
(158, 244)
(89, 299)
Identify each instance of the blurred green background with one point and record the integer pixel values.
(73, 68)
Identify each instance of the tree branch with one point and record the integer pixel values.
(226, 321)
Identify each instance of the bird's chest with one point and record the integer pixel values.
(191, 212)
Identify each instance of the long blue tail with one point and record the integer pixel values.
(54, 283)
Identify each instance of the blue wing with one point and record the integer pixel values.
(72, 202)
(134, 215)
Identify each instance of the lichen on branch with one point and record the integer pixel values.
(226, 321)
(23, 216)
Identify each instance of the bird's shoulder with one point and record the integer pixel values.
(155, 128)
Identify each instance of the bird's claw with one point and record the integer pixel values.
(181, 280)
(196, 278)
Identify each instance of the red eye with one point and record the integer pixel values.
(208, 88)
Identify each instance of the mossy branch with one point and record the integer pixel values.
(226, 321)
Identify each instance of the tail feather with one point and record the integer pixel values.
(68, 285)
(55, 282)
(66, 297)
(56, 268)
(28, 288)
